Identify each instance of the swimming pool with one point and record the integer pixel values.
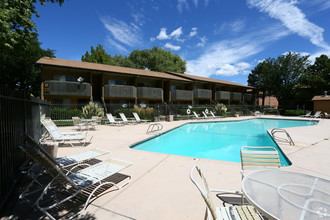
(219, 140)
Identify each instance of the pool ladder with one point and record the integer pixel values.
(154, 128)
(288, 138)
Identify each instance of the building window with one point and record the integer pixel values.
(116, 82)
(64, 78)
(143, 84)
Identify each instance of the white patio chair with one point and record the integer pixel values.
(221, 213)
(137, 118)
(257, 158)
(96, 121)
(79, 123)
(123, 117)
(85, 181)
(112, 120)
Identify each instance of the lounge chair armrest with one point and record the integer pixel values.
(76, 166)
(226, 191)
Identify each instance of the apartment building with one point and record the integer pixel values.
(75, 82)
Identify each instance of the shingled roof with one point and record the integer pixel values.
(131, 71)
(105, 68)
(205, 79)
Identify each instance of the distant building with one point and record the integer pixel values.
(75, 82)
(270, 101)
(322, 103)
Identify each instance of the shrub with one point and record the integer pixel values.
(293, 112)
(92, 109)
(63, 114)
(221, 109)
(126, 111)
(145, 113)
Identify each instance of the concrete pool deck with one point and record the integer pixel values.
(161, 188)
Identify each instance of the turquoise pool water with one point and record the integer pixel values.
(219, 140)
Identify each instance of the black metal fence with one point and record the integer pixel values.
(19, 112)
(67, 111)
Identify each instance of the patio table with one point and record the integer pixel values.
(279, 194)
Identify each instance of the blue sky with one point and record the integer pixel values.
(219, 39)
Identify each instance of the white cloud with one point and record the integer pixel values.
(226, 58)
(193, 32)
(113, 43)
(176, 33)
(233, 26)
(233, 69)
(138, 18)
(202, 42)
(172, 47)
(162, 34)
(128, 34)
(182, 4)
(292, 18)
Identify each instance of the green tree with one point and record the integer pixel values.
(289, 69)
(19, 46)
(155, 59)
(280, 77)
(261, 77)
(99, 55)
(317, 78)
(158, 59)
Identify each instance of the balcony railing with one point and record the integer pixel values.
(53, 87)
(182, 95)
(119, 91)
(235, 96)
(202, 94)
(149, 93)
(222, 95)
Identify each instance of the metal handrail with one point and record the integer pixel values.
(287, 140)
(154, 127)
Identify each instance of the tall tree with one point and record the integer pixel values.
(279, 77)
(317, 78)
(261, 77)
(289, 68)
(158, 59)
(19, 46)
(99, 55)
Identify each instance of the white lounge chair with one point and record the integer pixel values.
(308, 114)
(205, 115)
(317, 115)
(65, 187)
(213, 115)
(52, 126)
(123, 117)
(137, 118)
(112, 120)
(221, 213)
(57, 136)
(197, 116)
(69, 159)
(256, 158)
